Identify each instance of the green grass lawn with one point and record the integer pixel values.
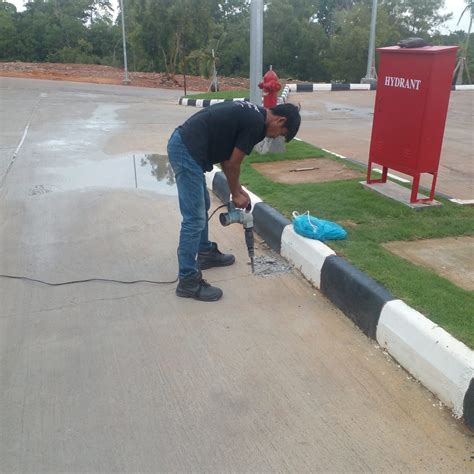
(374, 220)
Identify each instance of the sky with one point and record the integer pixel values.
(451, 6)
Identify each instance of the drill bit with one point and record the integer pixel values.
(250, 245)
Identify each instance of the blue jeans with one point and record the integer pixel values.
(194, 203)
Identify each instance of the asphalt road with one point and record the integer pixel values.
(342, 122)
(102, 377)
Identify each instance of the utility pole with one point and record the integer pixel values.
(256, 50)
(126, 80)
(371, 76)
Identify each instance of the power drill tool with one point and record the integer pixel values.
(244, 217)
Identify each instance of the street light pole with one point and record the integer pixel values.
(371, 76)
(256, 50)
(126, 80)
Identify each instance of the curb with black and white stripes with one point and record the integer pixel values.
(315, 87)
(206, 102)
(440, 362)
(305, 87)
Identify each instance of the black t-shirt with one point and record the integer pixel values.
(211, 134)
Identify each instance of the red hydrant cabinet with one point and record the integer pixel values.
(411, 104)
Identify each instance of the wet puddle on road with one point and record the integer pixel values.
(152, 172)
(353, 111)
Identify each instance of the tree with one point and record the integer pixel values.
(347, 56)
(8, 36)
(57, 30)
(40, 31)
(105, 38)
(313, 40)
(470, 11)
(7, 7)
(463, 62)
(98, 10)
(234, 47)
(327, 11)
(417, 17)
(162, 30)
(294, 42)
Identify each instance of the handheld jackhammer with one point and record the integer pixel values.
(244, 217)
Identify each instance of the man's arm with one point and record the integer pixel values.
(231, 169)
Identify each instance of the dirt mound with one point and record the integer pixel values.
(110, 75)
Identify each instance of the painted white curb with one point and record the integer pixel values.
(335, 154)
(306, 255)
(438, 360)
(463, 202)
(254, 199)
(360, 87)
(209, 175)
(320, 87)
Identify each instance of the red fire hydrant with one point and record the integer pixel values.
(270, 87)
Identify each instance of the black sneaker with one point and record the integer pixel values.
(198, 288)
(214, 258)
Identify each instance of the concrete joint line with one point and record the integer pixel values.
(439, 361)
(17, 150)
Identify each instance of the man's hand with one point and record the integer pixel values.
(241, 199)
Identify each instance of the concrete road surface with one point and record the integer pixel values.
(342, 122)
(103, 377)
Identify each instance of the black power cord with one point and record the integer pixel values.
(73, 282)
(215, 210)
